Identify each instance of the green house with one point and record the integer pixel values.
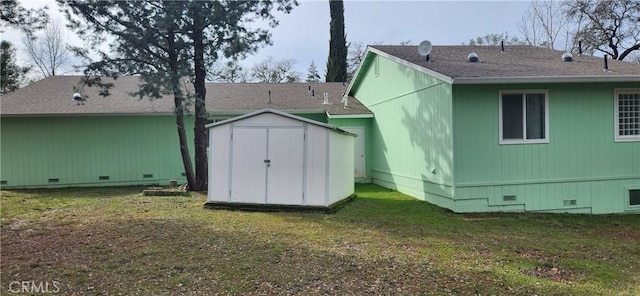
(516, 129)
(49, 140)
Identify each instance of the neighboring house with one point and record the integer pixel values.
(518, 130)
(47, 140)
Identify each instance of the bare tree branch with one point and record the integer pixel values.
(49, 51)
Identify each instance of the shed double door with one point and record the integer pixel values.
(267, 165)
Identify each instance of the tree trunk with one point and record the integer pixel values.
(200, 133)
(179, 110)
(184, 149)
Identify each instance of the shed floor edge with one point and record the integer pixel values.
(330, 209)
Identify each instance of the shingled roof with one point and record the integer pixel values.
(53, 96)
(516, 64)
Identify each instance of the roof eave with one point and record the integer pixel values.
(414, 66)
(545, 79)
(349, 116)
(281, 113)
(355, 80)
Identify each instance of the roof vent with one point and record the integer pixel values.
(473, 58)
(78, 99)
(567, 57)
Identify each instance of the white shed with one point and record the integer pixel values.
(272, 160)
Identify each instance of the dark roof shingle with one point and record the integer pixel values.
(516, 61)
(53, 96)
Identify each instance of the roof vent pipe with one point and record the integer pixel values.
(502, 46)
(345, 100)
(313, 93)
(325, 98)
(606, 64)
(269, 97)
(579, 48)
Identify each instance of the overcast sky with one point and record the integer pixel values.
(303, 35)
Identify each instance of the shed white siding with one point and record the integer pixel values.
(338, 185)
(273, 158)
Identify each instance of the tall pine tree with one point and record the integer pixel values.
(168, 43)
(337, 61)
(312, 74)
(12, 74)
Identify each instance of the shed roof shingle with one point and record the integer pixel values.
(517, 61)
(53, 96)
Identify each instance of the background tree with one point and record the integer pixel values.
(356, 52)
(611, 27)
(230, 72)
(49, 50)
(545, 24)
(171, 42)
(337, 61)
(354, 58)
(496, 39)
(28, 20)
(272, 71)
(13, 76)
(313, 76)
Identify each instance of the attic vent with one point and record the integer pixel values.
(3, 182)
(570, 202)
(473, 58)
(509, 198)
(54, 180)
(147, 176)
(103, 178)
(567, 57)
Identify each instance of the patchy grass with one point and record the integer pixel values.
(116, 241)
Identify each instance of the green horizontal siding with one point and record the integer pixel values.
(581, 162)
(411, 134)
(79, 150)
(321, 117)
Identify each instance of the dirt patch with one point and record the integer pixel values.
(633, 235)
(548, 267)
(554, 273)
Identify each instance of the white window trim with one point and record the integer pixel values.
(524, 125)
(616, 127)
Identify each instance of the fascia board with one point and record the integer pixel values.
(545, 79)
(349, 116)
(357, 73)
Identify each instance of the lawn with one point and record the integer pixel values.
(90, 241)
